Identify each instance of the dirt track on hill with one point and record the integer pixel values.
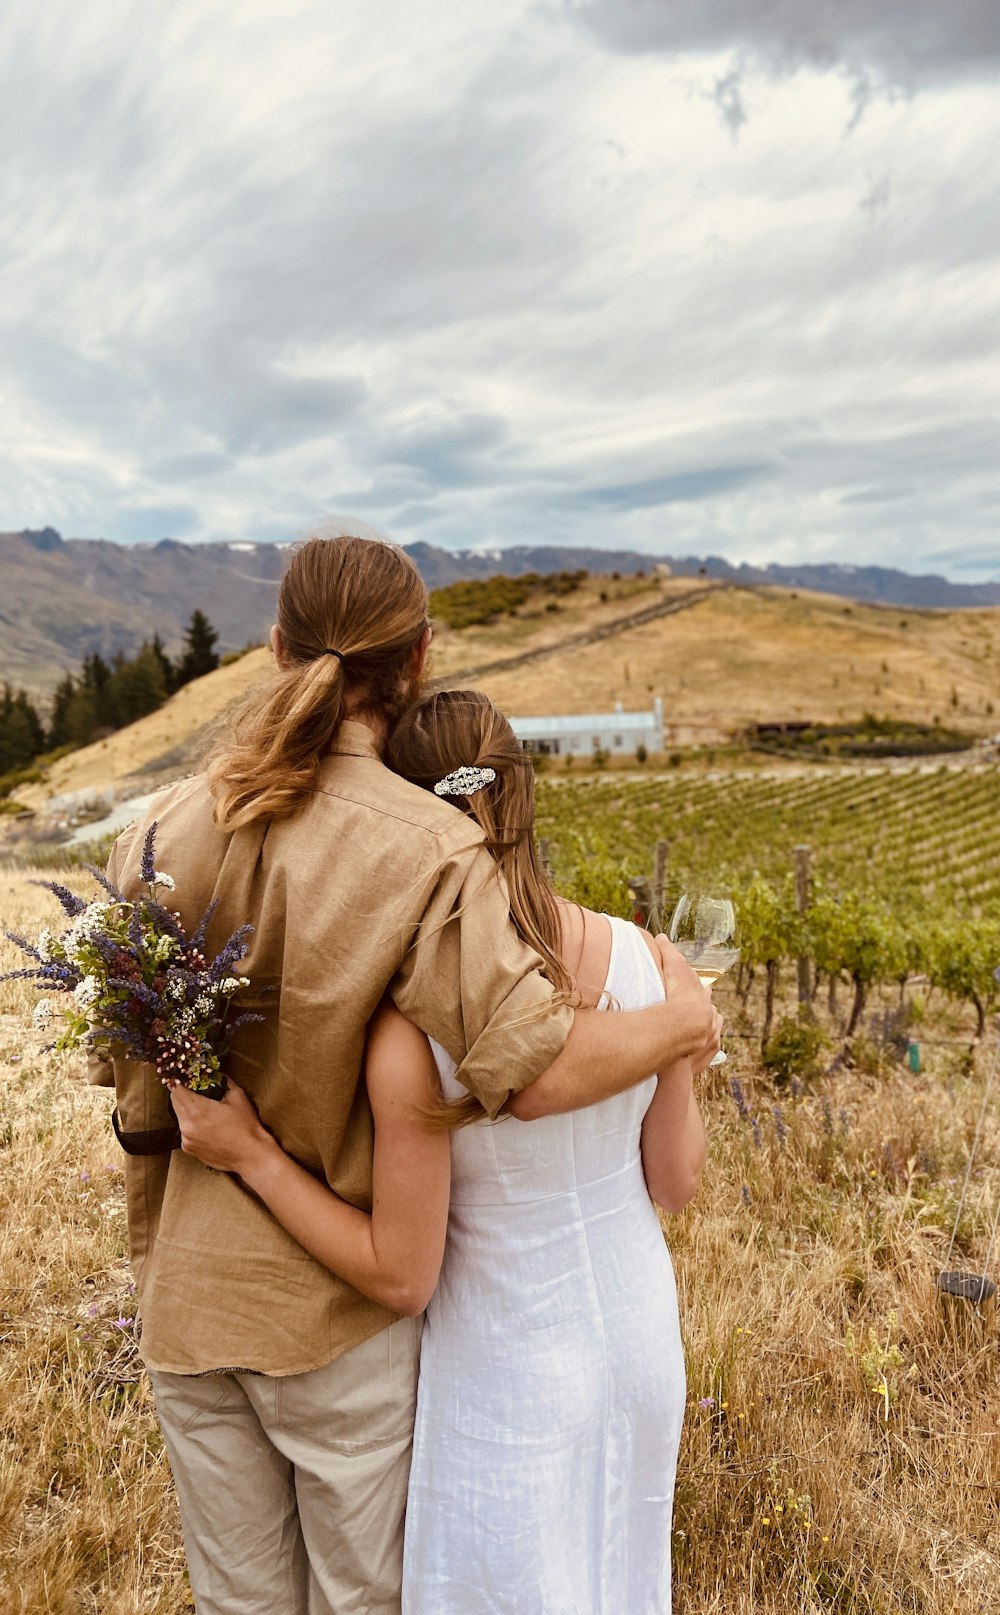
(590, 636)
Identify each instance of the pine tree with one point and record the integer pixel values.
(136, 687)
(200, 656)
(81, 718)
(33, 724)
(82, 706)
(22, 736)
(60, 718)
(95, 681)
(167, 669)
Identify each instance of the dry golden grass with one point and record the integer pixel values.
(772, 655)
(849, 1460)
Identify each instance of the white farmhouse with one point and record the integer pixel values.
(618, 732)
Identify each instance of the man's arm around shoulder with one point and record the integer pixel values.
(475, 987)
(607, 1052)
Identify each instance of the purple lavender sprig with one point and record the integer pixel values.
(72, 904)
(234, 951)
(197, 942)
(147, 862)
(25, 947)
(102, 880)
(739, 1098)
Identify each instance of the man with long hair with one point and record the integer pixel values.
(286, 1397)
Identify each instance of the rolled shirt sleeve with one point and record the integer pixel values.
(472, 985)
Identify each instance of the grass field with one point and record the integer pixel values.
(841, 1448)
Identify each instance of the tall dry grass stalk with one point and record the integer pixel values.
(842, 1438)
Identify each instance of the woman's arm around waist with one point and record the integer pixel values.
(673, 1139)
(392, 1255)
(673, 1134)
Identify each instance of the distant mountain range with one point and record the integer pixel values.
(62, 598)
(879, 585)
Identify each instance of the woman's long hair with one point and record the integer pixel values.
(461, 729)
(358, 597)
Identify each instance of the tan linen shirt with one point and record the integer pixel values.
(374, 885)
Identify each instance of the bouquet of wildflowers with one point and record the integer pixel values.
(135, 981)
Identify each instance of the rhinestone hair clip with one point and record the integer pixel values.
(465, 781)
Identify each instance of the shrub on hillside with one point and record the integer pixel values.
(232, 656)
(478, 601)
(16, 777)
(793, 1050)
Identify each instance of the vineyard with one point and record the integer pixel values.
(925, 836)
(904, 882)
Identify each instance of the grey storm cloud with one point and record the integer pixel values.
(464, 452)
(904, 43)
(188, 467)
(672, 490)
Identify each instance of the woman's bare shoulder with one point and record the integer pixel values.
(586, 948)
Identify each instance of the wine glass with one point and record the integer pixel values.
(703, 927)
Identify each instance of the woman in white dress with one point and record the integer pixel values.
(552, 1374)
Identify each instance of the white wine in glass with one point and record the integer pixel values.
(703, 928)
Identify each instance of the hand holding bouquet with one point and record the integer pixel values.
(137, 983)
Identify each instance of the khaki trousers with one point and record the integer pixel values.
(292, 1490)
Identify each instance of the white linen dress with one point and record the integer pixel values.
(551, 1375)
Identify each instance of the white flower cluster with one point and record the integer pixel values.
(87, 992)
(46, 945)
(42, 1014)
(203, 1005)
(86, 925)
(177, 990)
(164, 948)
(232, 984)
(166, 881)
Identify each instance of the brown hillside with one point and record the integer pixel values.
(728, 657)
(739, 656)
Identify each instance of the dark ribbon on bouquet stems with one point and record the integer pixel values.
(159, 1140)
(155, 1141)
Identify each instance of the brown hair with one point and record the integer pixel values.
(358, 597)
(461, 729)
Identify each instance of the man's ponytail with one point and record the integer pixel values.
(350, 612)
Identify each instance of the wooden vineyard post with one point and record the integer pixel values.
(803, 857)
(640, 890)
(660, 884)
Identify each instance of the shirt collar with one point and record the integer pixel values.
(355, 739)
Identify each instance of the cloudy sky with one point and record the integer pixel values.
(686, 276)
